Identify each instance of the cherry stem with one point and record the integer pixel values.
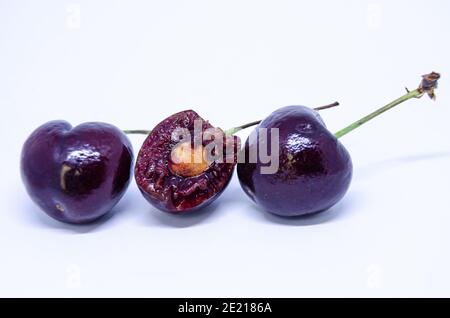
(428, 85)
(326, 106)
(234, 130)
(137, 131)
(230, 131)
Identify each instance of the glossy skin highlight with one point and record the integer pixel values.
(315, 169)
(76, 175)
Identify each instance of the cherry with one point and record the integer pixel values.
(314, 168)
(179, 176)
(314, 171)
(76, 175)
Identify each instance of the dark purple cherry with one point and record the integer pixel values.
(76, 175)
(314, 171)
(166, 172)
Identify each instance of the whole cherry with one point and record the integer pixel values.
(76, 175)
(314, 168)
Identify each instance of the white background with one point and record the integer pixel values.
(133, 63)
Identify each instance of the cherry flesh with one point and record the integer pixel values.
(167, 174)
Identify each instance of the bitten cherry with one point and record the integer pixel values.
(178, 176)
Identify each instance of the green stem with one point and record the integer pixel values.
(412, 94)
(234, 130)
(427, 86)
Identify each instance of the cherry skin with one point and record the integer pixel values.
(315, 169)
(182, 185)
(76, 175)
